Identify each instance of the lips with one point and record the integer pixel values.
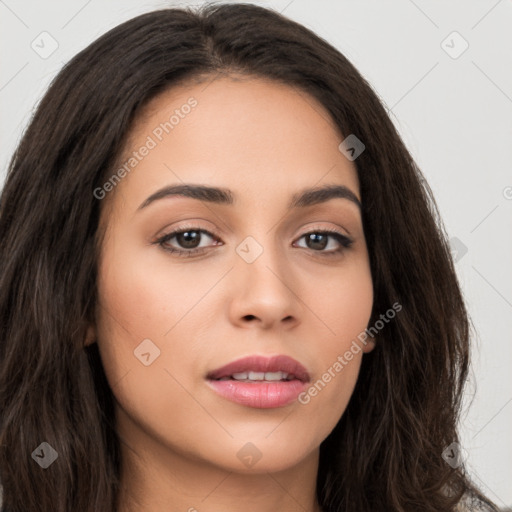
(260, 382)
(257, 368)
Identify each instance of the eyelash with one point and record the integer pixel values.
(344, 241)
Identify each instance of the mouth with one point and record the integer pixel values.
(252, 376)
(258, 368)
(260, 382)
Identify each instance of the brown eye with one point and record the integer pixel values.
(185, 241)
(318, 241)
(188, 239)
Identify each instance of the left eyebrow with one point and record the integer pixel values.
(312, 196)
(302, 199)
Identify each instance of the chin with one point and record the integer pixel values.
(260, 455)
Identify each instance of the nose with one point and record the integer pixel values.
(265, 293)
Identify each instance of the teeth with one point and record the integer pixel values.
(259, 376)
(275, 375)
(240, 376)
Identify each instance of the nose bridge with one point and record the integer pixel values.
(262, 244)
(258, 254)
(263, 279)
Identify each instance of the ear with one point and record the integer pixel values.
(90, 336)
(368, 346)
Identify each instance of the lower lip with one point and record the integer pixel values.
(260, 395)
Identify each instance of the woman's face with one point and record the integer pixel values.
(251, 276)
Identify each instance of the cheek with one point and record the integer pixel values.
(134, 293)
(130, 322)
(342, 302)
(138, 307)
(145, 324)
(147, 293)
(140, 299)
(347, 303)
(344, 309)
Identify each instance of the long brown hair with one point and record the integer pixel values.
(385, 454)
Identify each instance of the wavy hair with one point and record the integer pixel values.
(385, 453)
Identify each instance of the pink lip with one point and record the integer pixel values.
(264, 394)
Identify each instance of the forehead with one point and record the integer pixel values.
(260, 138)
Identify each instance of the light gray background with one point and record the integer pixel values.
(455, 115)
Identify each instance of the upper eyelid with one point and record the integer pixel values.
(179, 230)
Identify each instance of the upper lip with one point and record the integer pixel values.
(258, 363)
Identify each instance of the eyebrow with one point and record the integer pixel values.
(304, 198)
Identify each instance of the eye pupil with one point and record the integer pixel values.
(188, 239)
(319, 241)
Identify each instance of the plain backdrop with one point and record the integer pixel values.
(444, 71)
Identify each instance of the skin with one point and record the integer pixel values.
(265, 141)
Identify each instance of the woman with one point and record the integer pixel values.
(224, 284)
